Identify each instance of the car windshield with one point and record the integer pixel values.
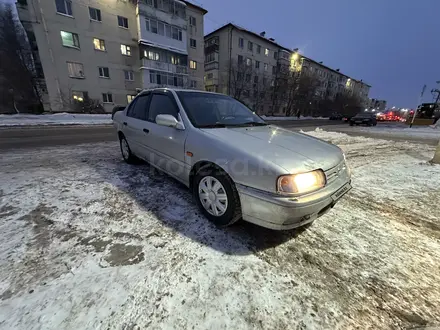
(206, 110)
(363, 114)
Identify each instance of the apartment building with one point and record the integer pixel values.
(332, 81)
(377, 104)
(231, 46)
(107, 51)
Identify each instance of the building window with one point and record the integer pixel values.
(274, 69)
(192, 21)
(152, 55)
(163, 29)
(193, 84)
(193, 65)
(240, 59)
(79, 96)
(257, 64)
(104, 72)
(250, 46)
(129, 75)
(241, 42)
(258, 49)
(107, 97)
(130, 98)
(248, 61)
(210, 57)
(266, 52)
(275, 55)
(266, 67)
(123, 22)
(99, 44)
(164, 78)
(193, 43)
(95, 14)
(69, 39)
(126, 50)
(76, 70)
(209, 76)
(64, 7)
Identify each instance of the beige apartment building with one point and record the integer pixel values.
(231, 44)
(107, 51)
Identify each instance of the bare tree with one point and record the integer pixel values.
(18, 78)
(240, 80)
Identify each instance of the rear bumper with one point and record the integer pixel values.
(282, 212)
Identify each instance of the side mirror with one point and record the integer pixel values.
(169, 121)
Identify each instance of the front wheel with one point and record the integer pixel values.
(217, 196)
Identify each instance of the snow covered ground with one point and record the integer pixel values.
(55, 119)
(269, 118)
(402, 131)
(89, 242)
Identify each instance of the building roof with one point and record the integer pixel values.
(336, 71)
(203, 10)
(247, 31)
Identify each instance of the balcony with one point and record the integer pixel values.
(163, 66)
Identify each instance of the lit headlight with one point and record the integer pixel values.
(301, 183)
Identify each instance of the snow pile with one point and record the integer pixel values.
(90, 242)
(270, 118)
(63, 118)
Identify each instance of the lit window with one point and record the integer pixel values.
(151, 55)
(69, 39)
(95, 14)
(126, 50)
(79, 96)
(193, 65)
(64, 7)
(104, 72)
(123, 22)
(107, 98)
(266, 52)
(76, 70)
(248, 61)
(130, 98)
(99, 44)
(129, 75)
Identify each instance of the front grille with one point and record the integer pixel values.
(333, 173)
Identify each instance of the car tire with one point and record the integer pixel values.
(212, 185)
(126, 151)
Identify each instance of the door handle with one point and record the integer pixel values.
(125, 123)
(146, 130)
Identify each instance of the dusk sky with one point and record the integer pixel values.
(394, 45)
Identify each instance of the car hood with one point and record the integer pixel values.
(295, 152)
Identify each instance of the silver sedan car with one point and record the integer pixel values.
(236, 165)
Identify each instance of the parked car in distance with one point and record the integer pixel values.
(364, 118)
(235, 164)
(335, 116)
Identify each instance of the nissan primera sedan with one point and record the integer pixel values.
(236, 165)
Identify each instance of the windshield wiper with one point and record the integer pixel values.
(250, 123)
(217, 125)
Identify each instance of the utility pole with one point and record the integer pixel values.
(417, 105)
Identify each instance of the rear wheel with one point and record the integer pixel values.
(217, 196)
(126, 151)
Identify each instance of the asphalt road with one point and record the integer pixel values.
(42, 136)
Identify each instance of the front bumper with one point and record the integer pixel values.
(279, 212)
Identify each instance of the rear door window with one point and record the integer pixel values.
(139, 110)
